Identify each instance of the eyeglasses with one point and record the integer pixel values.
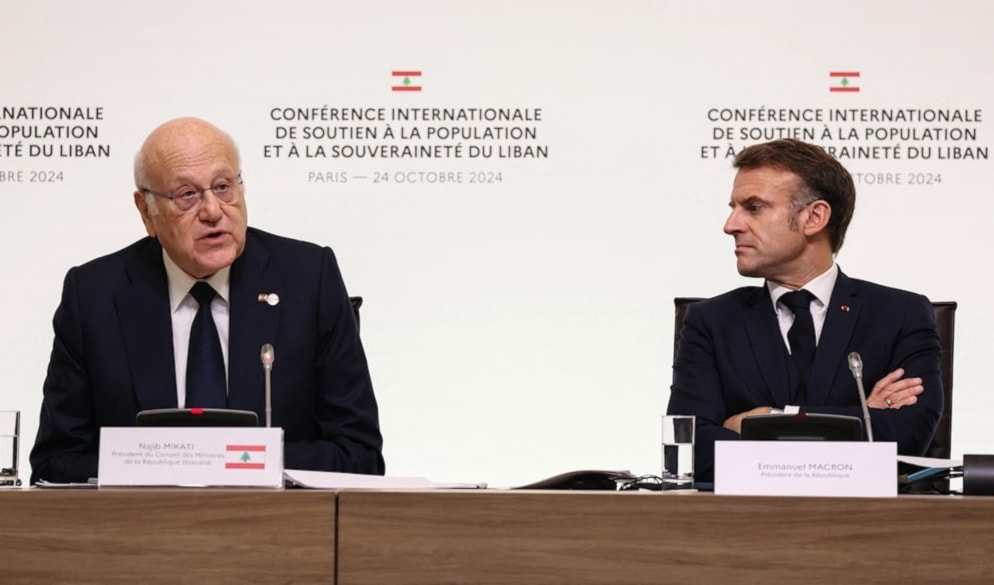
(186, 198)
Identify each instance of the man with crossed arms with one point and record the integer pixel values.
(791, 203)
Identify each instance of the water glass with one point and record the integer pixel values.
(10, 431)
(678, 452)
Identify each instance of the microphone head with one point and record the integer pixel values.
(268, 355)
(856, 365)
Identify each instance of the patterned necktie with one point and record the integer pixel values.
(802, 333)
(206, 385)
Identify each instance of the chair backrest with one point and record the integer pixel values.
(356, 303)
(945, 323)
(682, 304)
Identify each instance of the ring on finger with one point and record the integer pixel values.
(888, 401)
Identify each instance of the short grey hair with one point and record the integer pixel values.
(800, 199)
(141, 182)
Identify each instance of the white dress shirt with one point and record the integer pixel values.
(184, 308)
(820, 286)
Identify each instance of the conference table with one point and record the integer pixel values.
(181, 535)
(488, 536)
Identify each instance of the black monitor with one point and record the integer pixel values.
(801, 427)
(197, 417)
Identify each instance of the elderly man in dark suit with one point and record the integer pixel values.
(757, 350)
(124, 330)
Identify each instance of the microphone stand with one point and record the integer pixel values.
(268, 356)
(856, 367)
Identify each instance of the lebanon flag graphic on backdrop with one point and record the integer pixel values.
(245, 457)
(402, 80)
(844, 81)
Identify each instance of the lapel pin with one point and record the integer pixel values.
(845, 308)
(272, 298)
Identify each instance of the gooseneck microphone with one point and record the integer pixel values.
(856, 367)
(268, 356)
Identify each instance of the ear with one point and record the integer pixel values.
(818, 214)
(141, 202)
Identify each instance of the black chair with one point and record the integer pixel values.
(356, 303)
(945, 322)
(682, 304)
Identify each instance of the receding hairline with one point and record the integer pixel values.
(176, 129)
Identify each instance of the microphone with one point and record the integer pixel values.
(856, 367)
(268, 356)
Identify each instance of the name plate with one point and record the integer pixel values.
(191, 456)
(805, 468)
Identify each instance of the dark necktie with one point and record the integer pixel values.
(802, 333)
(205, 376)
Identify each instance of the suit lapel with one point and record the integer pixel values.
(767, 346)
(146, 326)
(253, 323)
(840, 321)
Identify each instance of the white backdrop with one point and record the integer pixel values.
(519, 328)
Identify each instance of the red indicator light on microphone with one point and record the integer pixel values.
(196, 411)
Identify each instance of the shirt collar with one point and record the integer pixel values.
(180, 282)
(820, 286)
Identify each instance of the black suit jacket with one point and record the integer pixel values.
(113, 356)
(731, 358)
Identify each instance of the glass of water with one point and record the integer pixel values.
(10, 430)
(678, 452)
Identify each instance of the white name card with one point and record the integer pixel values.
(191, 456)
(805, 468)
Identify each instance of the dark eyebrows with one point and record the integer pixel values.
(751, 200)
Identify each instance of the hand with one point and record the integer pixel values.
(734, 423)
(893, 392)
